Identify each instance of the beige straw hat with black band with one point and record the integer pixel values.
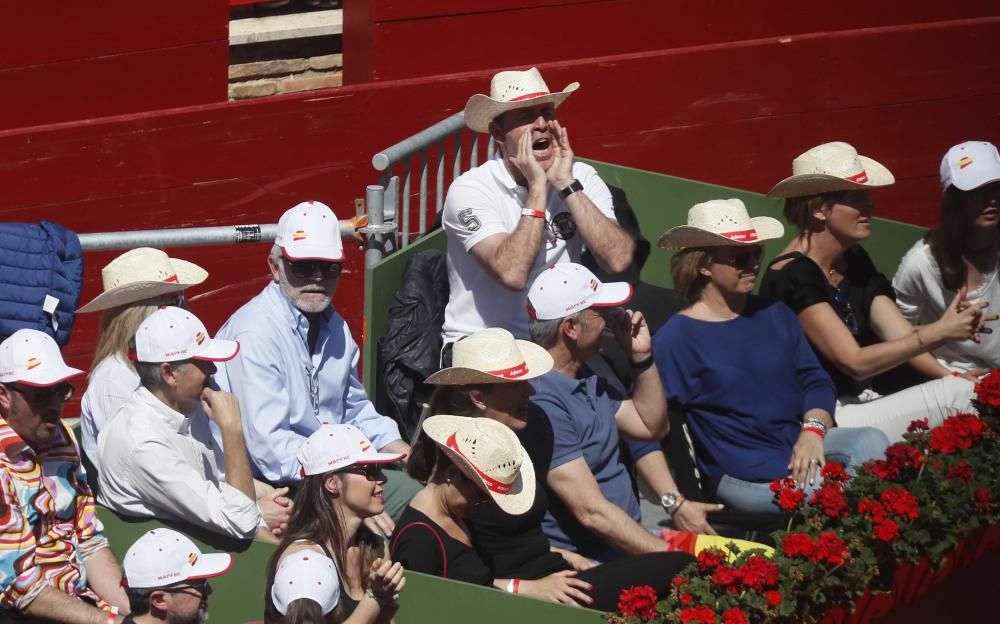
(832, 167)
(143, 273)
(490, 454)
(492, 356)
(510, 90)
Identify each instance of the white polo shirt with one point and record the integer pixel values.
(485, 201)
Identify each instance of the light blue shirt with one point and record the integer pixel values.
(285, 393)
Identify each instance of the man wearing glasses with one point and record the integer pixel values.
(150, 464)
(166, 578)
(55, 564)
(298, 366)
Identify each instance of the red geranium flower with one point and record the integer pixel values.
(901, 503)
(772, 597)
(830, 497)
(957, 433)
(918, 425)
(759, 572)
(798, 545)
(727, 577)
(988, 389)
(679, 581)
(638, 601)
(789, 494)
(868, 507)
(700, 615)
(833, 471)
(887, 530)
(983, 500)
(830, 548)
(686, 600)
(961, 470)
(734, 616)
(710, 558)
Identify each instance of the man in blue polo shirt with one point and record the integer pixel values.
(594, 510)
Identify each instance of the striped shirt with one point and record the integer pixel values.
(48, 525)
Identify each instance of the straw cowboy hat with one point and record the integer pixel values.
(720, 222)
(492, 356)
(490, 454)
(510, 90)
(832, 167)
(143, 273)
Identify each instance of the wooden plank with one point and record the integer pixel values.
(289, 26)
(675, 88)
(512, 34)
(38, 33)
(112, 85)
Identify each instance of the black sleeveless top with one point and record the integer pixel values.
(801, 283)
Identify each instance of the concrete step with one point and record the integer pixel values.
(251, 30)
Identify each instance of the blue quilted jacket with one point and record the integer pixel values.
(38, 260)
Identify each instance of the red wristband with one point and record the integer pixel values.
(528, 212)
(956, 374)
(821, 434)
(517, 585)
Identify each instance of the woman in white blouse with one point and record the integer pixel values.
(963, 250)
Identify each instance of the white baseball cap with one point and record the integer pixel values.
(310, 231)
(567, 288)
(334, 447)
(970, 165)
(163, 557)
(32, 358)
(172, 334)
(306, 574)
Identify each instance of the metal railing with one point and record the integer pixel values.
(372, 225)
(439, 147)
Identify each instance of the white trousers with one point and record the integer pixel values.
(934, 400)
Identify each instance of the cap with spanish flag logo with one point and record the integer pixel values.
(970, 165)
(164, 557)
(172, 334)
(32, 358)
(310, 231)
(339, 446)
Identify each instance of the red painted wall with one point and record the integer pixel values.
(67, 61)
(393, 39)
(730, 113)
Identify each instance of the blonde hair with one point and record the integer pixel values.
(118, 326)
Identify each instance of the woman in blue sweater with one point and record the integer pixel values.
(758, 404)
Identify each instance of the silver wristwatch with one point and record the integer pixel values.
(669, 500)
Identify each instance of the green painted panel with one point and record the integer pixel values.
(238, 596)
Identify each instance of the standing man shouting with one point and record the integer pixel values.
(530, 207)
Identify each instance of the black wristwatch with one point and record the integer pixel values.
(573, 187)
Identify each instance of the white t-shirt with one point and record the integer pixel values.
(922, 298)
(485, 201)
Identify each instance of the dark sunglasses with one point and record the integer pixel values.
(372, 472)
(740, 257)
(202, 587)
(44, 395)
(304, 269)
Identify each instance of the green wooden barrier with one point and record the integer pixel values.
(238, 596)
